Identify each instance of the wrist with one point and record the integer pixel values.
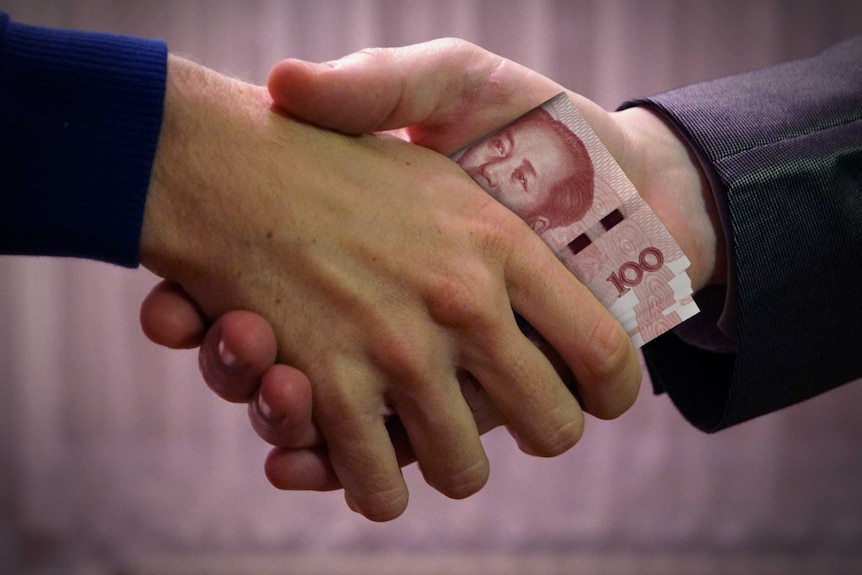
(668, 175)
(191, 195)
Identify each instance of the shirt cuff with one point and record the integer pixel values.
(714, 328)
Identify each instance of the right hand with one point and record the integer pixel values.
(385, 272)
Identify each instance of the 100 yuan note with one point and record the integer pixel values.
(551, 169)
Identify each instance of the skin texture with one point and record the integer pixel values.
(386, 276)
(443, 95)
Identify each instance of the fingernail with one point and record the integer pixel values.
(227, 357)
(264, 407)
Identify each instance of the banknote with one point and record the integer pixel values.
(550, 168)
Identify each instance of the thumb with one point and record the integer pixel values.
(445, 93)
(354, 95)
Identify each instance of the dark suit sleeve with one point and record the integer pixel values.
(786, 146)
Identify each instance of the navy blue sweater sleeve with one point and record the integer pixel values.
(786, 144)
(80, 115)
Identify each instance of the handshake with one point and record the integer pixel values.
(369, 300)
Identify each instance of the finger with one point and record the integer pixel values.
(445, 438)
(281, 411)
(237, 350)
(486, 415)
(447, 92)
(440, 430)
(170, 318)
(593, 344)
(358, 444)
(428, 401)
(301, 469)
(525, 387)
(473, 304)
(310, 469)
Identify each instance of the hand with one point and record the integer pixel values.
(445, 110)
(237, 360)
(447, 93)
(391, 292)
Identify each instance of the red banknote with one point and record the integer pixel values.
(550, 168)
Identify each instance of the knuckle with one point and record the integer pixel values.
(496, 230)
(471, 292)
(610, 351)
(463, 483)
(376, 53)
(460, 299)
(614, 371)
(336, 405)
(624, 396)
(382, 505)
(398, 355)
(454, 44)
(560, 438)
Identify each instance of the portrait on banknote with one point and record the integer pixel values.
(537, 167)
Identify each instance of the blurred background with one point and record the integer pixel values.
(115, 458)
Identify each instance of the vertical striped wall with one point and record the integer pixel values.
(111, 448)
